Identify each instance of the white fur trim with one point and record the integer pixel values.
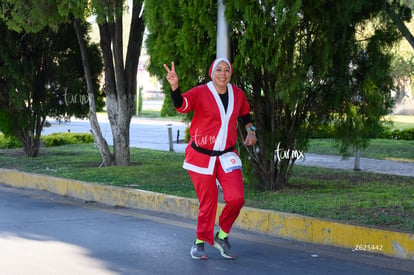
(220, 143)
(186, 104)
(201, 170)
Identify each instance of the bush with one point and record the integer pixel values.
(405, 134)
(187, 135)
(168, 109)
(9, 142)
(58, 139)
(327, 131)
(386, 133)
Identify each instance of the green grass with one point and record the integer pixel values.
(353, 197)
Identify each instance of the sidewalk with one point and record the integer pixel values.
(367, 165)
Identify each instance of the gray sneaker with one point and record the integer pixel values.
(224, 247)
(197, 252)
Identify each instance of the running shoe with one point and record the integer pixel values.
(197, 251)
(224, 247)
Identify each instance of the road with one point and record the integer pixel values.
(144, 132)
(42, 233)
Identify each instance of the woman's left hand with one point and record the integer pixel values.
(250, 139)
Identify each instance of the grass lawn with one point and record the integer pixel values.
(354, 197)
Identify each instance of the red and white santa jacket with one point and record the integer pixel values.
(212, 127)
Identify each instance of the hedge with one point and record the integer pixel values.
(58, 139)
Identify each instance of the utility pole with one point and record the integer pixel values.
(223, 39)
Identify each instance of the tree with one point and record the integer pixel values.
(370, 98)
(188, 39)
(403, 75)
(305, 69)
(120, 71)
(400, 11)
(41, 76)
(297, 60)
(184, 33)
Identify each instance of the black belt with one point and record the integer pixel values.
(211, 152)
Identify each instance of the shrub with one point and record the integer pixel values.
(407, 134)
(7, 142)
(168, 109)
(57, 139)
(327, 131)
(187, 134)
(84, 137)
(386, 133)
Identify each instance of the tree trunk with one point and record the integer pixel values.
(96, 130)
(30, 144)
(120, 79)
(121, 140)
(30, 136)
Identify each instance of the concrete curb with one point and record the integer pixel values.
(273, 223)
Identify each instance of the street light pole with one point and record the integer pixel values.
(223, 40)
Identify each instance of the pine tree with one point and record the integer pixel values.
(41, 76)
(303, 64)
(183, 32)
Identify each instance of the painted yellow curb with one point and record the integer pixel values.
(273, 223)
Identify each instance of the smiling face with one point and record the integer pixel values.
(221, 76)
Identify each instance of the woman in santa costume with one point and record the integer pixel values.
(211, 153)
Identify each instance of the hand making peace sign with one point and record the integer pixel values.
(172, 77)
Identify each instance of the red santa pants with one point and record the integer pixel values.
(207, 193)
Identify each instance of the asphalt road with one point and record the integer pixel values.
(42, 233)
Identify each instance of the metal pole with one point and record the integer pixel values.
(223, 40)
(357, 166)
(170, 138)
